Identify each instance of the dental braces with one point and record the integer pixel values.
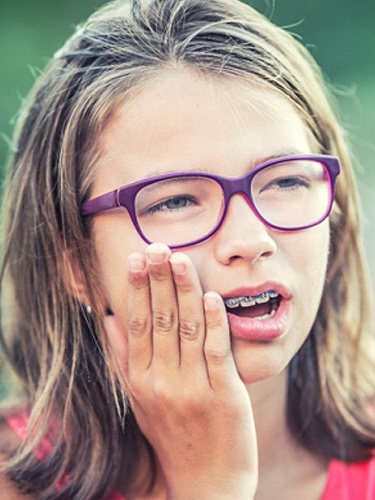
(251, 300)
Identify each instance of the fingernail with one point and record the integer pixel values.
(178, 263)
(136, 262)
(211, 301)
(156, 253)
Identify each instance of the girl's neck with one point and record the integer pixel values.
(268, 399)
(285, 466)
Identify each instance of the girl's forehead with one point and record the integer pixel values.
(181, 93)
(186, 121)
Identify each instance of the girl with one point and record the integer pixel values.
(184, 293)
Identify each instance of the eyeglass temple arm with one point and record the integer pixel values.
(101, 203)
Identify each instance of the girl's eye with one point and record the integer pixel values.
(287, 183)
(172, 204)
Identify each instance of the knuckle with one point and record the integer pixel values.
(185, 287)
(137, 325)
(159, 275)
(163, 321)
(189, 329)
(162, 393)
(138, 282)
(216, 355)
(192, 402)
(194, 405)
(214, 322)
(185, 403)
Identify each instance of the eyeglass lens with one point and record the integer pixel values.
(181, 210)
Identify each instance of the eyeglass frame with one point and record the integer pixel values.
(125, 196)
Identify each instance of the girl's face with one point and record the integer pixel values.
(184, 122)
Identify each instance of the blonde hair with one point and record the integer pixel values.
(59, 354)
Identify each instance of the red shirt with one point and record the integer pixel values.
(355, 481)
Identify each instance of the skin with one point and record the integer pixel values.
(210, 402)
(190, 382)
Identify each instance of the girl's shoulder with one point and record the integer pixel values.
(351, 480)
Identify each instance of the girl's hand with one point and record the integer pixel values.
(182, 382)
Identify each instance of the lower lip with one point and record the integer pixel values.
(260, 330)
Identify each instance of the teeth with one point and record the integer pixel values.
(246, 302)
(231, 303)
(266, 316)
(263, 299)
(251, 300)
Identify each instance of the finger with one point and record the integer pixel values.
(163, 307)
(191, 322)
(139, 327)
(221, 368)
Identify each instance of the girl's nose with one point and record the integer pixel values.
(242, 236)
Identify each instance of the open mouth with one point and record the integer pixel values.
(260, 307)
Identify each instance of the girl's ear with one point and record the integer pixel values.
(76, 284)
(73, 278)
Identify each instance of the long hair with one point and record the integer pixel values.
(60, 355)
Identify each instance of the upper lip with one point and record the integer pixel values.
(253, 291)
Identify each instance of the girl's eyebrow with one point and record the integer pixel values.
(181, 180)
(251, 165)
(283, 154)
(157, 173)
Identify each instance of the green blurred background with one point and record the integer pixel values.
(339, 33)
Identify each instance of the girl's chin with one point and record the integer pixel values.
(257, 366)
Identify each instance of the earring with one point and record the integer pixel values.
(88, 309)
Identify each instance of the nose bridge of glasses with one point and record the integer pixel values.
(238, 186)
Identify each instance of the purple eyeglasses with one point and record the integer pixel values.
(185, 208)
